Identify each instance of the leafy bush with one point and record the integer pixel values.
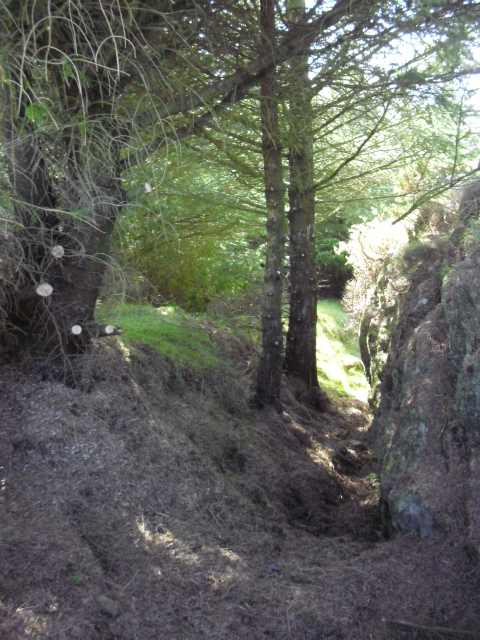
(369, 247)
(188, 237)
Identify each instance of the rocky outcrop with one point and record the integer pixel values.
(422, 355)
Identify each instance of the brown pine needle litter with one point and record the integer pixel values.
(139, 505)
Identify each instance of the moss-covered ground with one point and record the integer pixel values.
(338, 356)
(168, 330)
(183, 338)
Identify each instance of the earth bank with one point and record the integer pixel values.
(137, 506)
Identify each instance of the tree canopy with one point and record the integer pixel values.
(112, 107)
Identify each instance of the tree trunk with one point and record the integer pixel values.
(271, 360)
(300, 352)
(61, 255)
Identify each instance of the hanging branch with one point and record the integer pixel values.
(358, 151)
(426, 197)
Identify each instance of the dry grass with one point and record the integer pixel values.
(200, 523)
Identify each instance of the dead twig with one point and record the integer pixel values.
(422, 627)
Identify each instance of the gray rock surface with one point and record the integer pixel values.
(422, 356)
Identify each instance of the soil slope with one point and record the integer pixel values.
(136, 506)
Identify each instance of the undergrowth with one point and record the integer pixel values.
(196, 351)
(187, 341)
(170, 331)
(340, 370)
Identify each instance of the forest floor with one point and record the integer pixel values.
(148, 503)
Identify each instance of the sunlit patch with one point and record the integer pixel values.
(337, 352)
(230, 555)
(167, 330)
(321, 456)
(218, 567)
(138, 394)
(34, 623)
(219, 580)
(142, 527)
(168, 542)
(166, 311)
(124, 350)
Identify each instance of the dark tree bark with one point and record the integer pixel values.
(300, 352)
(63, 257)
(62, 238)
(271, 360)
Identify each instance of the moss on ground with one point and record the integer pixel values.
(340, 370)
(171, 332)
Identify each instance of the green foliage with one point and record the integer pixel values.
(382, 179)
(474, 230)
(338, 354)
(445, 272)
(332, 264)
(38, 114)
(90, 93)
(374, 481)
(190, 238)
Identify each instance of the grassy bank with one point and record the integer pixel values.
(170, 331)
(338, 355)
(183, 338)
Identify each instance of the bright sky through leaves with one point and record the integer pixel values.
(404, 50)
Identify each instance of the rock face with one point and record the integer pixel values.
(422, 355)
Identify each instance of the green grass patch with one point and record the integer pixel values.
(180, 337)
(337, 352)
(168, 330)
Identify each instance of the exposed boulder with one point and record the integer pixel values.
(422, 356)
